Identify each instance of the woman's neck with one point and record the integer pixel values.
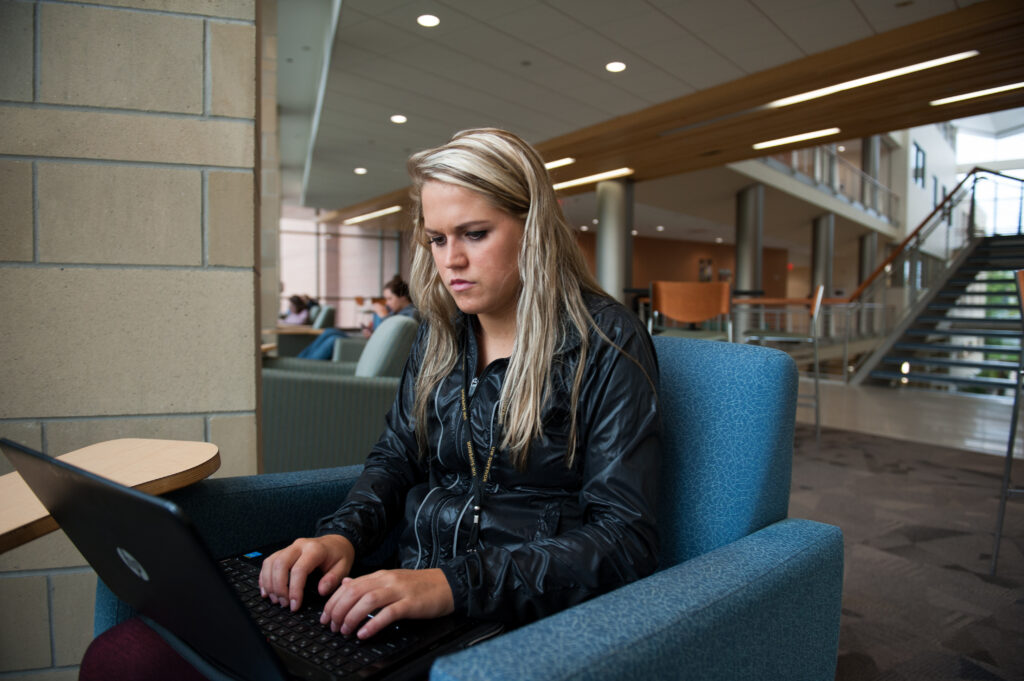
(495, 338)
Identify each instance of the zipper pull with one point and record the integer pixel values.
(472, 385)
(474, 531)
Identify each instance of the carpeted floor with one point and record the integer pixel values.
(918, 522)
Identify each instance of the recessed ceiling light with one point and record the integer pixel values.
(797, 138)
(359, 171)
(867, 80)
(615, 66)
(841, 148)
(660, 228)
(427, 20)
(719, 239)
(584, 228)
(594, 221)
(551, 165)
(633, 232)
(399, 119)
(979, 93)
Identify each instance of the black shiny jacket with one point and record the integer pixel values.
(550, 536)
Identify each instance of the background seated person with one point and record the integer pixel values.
(298, 311)
(396, 302)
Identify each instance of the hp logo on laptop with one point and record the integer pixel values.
(133, 564)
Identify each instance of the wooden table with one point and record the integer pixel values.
(153, 466)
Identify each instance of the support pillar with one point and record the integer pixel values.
(870, 164)
(614, 245)
(868, 262)
(749, 233)
(822, 251)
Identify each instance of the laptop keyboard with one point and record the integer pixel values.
(301, 633)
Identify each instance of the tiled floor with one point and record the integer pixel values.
(970, 422)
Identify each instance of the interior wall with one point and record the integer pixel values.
(674, 260)
(127, 261)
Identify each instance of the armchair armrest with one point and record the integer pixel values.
(766, 606)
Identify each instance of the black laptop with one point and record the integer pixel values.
(151, 556)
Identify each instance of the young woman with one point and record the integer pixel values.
(521, 452)
(518, 465)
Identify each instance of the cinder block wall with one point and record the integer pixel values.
(128, 245)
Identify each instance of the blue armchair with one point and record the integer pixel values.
(743, 592)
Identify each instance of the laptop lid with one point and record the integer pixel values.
(148, 552)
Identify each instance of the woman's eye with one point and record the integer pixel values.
(476, 236)
(436, 241)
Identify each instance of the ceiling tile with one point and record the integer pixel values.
(700, 16)
(885, 15)
(692, 62)
(818, 25)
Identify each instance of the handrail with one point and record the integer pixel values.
(948, 199)
(899, 249)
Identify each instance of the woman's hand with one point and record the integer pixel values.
(284, 573)
(390, 595)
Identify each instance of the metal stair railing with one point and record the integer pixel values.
(902, 287)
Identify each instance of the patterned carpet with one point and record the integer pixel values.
(918, 521)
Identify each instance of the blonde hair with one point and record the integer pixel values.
(551, 309)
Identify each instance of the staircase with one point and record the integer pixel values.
(967, 337)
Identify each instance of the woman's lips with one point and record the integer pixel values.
(457, 285)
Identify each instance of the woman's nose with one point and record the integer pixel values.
(455, 256)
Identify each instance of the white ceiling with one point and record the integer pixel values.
(535, 67)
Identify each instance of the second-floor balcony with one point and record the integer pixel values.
(824, 168)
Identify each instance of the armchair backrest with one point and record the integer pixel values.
(388, 348)
(690, 302)
(728, 418)
(324, 318)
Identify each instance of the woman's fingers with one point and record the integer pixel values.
(389, 595)
(284, 573)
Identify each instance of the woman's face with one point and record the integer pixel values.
(392, 301)
(476, 249)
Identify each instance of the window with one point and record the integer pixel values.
(919, 166)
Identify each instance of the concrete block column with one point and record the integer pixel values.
(127, 260)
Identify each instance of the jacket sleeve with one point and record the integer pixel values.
(376, 503)
(616, 541)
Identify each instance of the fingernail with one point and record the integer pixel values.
(362, 633)
(345, 631)
(295, 605)
(263, 592)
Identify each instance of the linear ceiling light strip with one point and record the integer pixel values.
(610, 175)
(369, 216)
(867, 80)
(979, 93)
(797, 138)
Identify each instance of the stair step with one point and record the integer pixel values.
(948, 347)
(997, 255)
(946, 362)
(958, 280)
(1010, 323)
(976, 382)
(952, 294)
(980, 333)
(972, 306)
